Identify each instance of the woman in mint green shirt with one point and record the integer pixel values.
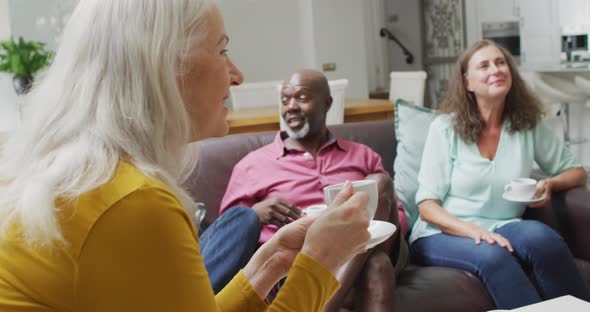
(491, 132)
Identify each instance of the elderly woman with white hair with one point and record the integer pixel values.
(92, 211)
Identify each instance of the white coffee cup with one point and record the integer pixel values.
(522, 188)
(315, 210)
(367, 186)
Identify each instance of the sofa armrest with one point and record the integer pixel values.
(569, 214)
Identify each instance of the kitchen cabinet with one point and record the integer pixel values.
(574, 13)
(497, 11)
(540, 34)
(539, 26)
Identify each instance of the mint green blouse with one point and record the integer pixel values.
(469, 186)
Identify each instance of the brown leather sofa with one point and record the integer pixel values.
(418, 288)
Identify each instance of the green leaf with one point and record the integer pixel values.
(17, 66)
(11, 45)
(23, 57)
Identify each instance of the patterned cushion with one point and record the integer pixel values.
(411, 128)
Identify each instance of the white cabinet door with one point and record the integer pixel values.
(574, 13)
(479, 12)
(540, 39)
(497, 10)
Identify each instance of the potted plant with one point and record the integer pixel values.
(23, 59)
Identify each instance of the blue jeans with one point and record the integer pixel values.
(536, 247)
(228, 244)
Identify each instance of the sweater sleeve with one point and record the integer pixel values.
(308, 287)
(142, 255)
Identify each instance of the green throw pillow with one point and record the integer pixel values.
(411, 128)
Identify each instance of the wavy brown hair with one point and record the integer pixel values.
(522, 109)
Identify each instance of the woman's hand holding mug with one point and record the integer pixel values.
(340, 232)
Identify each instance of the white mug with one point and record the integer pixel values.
(522, 188)
(314, 211)
(367, 186)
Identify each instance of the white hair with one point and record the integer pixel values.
(111, 93)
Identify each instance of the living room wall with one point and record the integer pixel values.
(7, 96)
(269, 38)
(272, 38)
(40, 20)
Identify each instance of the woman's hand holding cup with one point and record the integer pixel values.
(543, 189)
(529, 189)
(341, 231)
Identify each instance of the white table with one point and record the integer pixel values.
(566, 303)
(571, 67)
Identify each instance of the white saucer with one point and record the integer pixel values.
(380, 231)
(510, 197)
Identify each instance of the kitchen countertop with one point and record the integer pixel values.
(563, 67)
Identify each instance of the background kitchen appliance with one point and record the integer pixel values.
(574, 43)
(506, 34)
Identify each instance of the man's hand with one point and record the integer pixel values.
(277, 211)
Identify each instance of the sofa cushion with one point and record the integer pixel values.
(440, 289)
(411, 128)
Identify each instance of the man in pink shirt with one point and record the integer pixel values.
(281, 179)
(278, 181)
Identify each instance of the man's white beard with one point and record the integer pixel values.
(299, 134)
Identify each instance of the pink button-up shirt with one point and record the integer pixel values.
(275, 171)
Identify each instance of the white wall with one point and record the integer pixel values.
(40, 20)
(4, 20)
(8, 113)
(472, 24)
(265, 37)
(8, 100)
(339, 29)
(377, 56)
(574, 13)
(269, 39)
(404, 21)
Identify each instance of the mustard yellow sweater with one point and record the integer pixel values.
(132, 247)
